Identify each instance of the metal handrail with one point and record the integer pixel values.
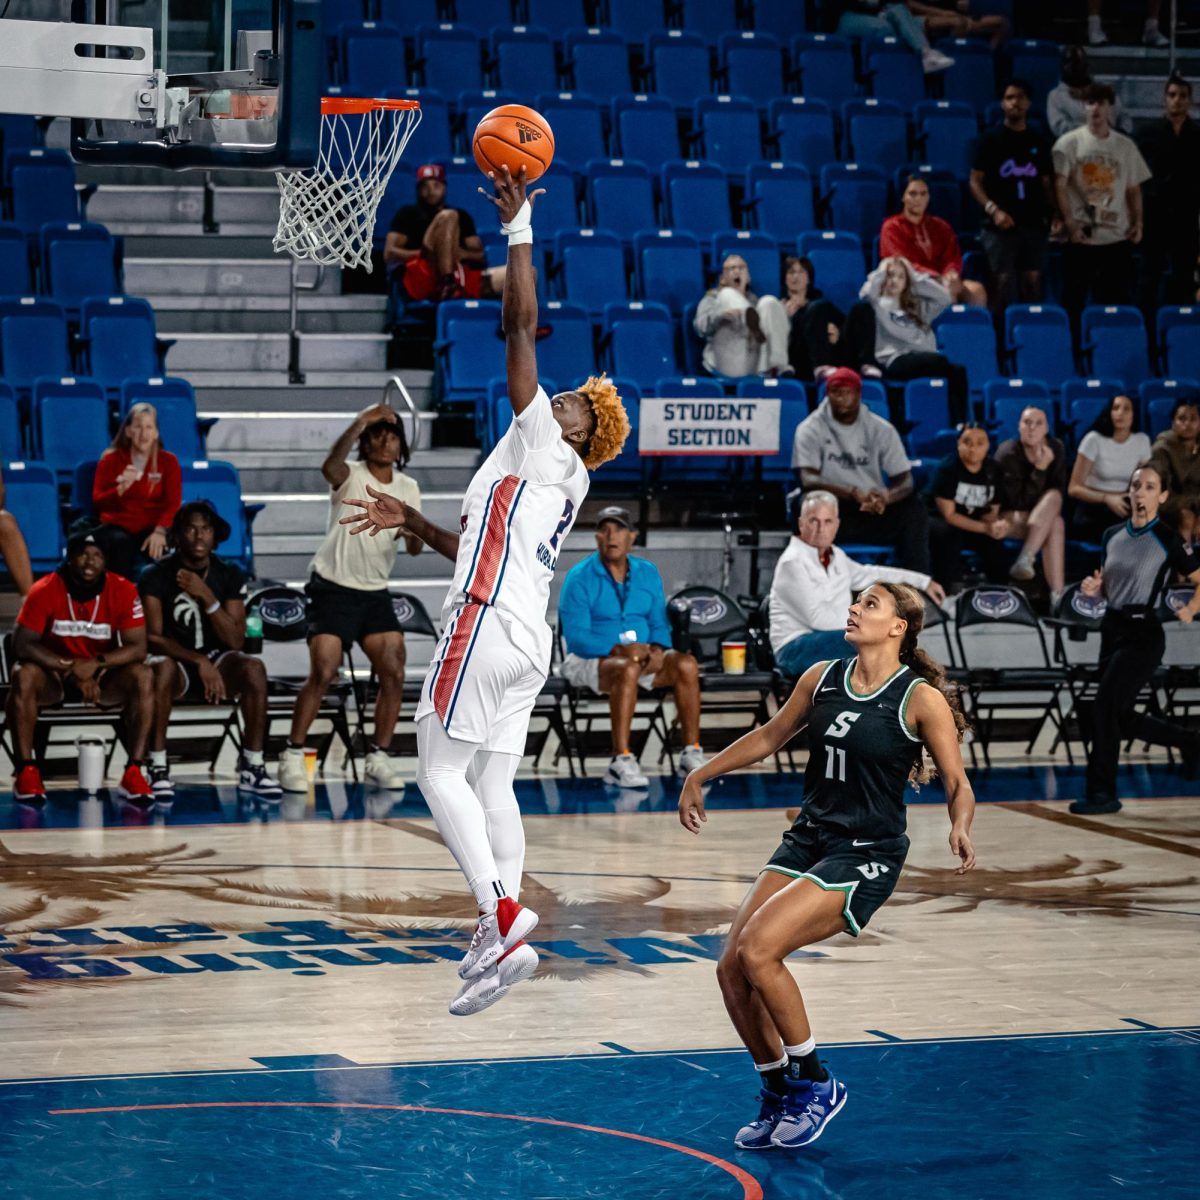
(395, 383)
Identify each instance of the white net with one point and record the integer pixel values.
(327, 214)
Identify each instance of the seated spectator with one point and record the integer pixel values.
(928, 243)
(433, 251)
(814, 584)
(613, 614)
(966, 494)
(953, 18)
(1108, 455)
(13, 549)
(815, 343)
(1012, 179)
(1176, 457)
(891, 18)
(846, 449)
(196, 626)
(892, 328)
(80, 637)
(1065, 105)
(1152, 35)
(136, 493)
(743, 334)
(1033, 474)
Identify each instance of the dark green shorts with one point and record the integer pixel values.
(866, 871)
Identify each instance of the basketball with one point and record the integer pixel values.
(513, 136)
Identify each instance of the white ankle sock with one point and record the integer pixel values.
(763, 1068)
(801, 1050)
(158, 758)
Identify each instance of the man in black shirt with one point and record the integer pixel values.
(196, 626)
(1013, 180)
(433, 251)
(1171, 148)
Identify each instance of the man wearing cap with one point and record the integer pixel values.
(613, 616)
(80, 637)
(196, 626)
(433, 250)
(847, 450)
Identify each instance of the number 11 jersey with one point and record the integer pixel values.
(860, 755)
(516, 514)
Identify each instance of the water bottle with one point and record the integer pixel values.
(254, 636)
(91, 764)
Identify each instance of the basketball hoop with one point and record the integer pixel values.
(327, 214)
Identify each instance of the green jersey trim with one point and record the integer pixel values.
(847, 889)
(883, 687)
(908, 691)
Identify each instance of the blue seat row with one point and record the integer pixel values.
(65, 260)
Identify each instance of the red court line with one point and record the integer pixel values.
(751, 1189)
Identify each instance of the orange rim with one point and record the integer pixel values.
(332, 106)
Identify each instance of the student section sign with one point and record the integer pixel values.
(708, 426)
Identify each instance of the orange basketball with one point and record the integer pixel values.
(513, 136)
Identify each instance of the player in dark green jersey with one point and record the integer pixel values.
(870, 717)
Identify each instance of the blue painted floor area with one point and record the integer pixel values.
(203, 803)
(1055, 1117)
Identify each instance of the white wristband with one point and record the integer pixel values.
(522, 237)
(520, 228)
(212, 608)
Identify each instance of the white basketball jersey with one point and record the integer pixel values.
(517, 512)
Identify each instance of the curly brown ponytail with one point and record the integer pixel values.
(911, 609)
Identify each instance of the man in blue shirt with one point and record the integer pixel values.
(613, 614)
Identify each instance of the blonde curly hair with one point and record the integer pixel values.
(612, 425)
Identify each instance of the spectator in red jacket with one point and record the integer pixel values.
(928, 243)
(136, 494)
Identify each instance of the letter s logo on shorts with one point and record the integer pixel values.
(874, 870)
(995, 605)
(707, 610)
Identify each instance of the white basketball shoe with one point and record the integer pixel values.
(496, 934)
(496, 982)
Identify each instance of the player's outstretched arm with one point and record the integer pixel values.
(931, 717)
(520, 310)
(382, 511)
(750, 748)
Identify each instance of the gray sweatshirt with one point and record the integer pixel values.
(896, 333)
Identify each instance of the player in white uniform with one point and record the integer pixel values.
(494, 654)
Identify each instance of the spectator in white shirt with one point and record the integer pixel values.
(1108, 455)
(743, 334)
(814, 585)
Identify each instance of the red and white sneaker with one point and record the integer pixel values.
(495, 934)
(28, 786)
(134, 786)
(494, 984)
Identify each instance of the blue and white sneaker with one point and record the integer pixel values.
(808, 1107)
(757, 1135)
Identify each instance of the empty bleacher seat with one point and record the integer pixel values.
(18, 133)
(597, 62)
(41, 187)
(31, 495)
(761, 252)
(462, 190)
(635, 19)
(591, 267)
(498, 413)
(729, 129)
(783, 18)
(856, 196)
(646, 128)
(639, 339)
(779, 197)
(1038, 336)
(837, 259)
(876, 132)
(793, 408)
(558, 16)
(523, 57)
(1178, 334)
(894, 72)
(559, 207)
(712, 19)
(79, 259)
(972, 78)
(926, 412)
(33, 341)
(474, 104)
(469, 348)
(967, 336)
(627, 466)
(825, 65)
(371, 54)
(696, 197)
(693, 468)
(1039, 63)
(567, 351)
(680, 64)
(946, 133)
(620, 195)
(71, 422)
(12, 441)
(577, 124)
(478, 14)
(802, 131)
(431, 141)
(448, 59)
(670, 267)
(118, 333)
(16, 277)
(1113, 341)
(751, 66)
(179, 428)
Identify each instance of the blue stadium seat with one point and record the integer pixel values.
(1113, 341)
(33, 341)
(946, 133)
(751, 65)
(567, 352)
(119, 334)
(627, 466)
(894, 72)
(403, 13)
(448, 59)
(41, 188)
(780, 198)
(712, 19)
(597, 62)
(680, 64)
(687, 387)
(826, 67)
(174, 400)
(15, 269)
(620, 195)
(646, 128)
(559, 207)
(972, 79)
(480, 14)
(523, 58)
(927, 413)
(590, 264)
(874, 396)
(1005, 399)
(761, 252)
(12, 441)
(498, 409)
(967, 336)
(803, 131)
(1165, 393)
(945, 191)
(1083, 400)
(1158, 416)
(71, 422)
(1038, 336)
(639, 340)
(670, 267)
(793, 408)
(79, 259)
(783, 18)
(558, 16)
(635, 20)
(728, 127)
(876, 132)
(472, 106)
(693, 468)
(372, 53)
(32, 498)
(1177, 329)
(578, 128)
(837, 259)
(1039, 63)
(18, 133)
(462, 191)
(430, 142)
(220, 483)
(856, 198)
(469, 348)
(696, 197)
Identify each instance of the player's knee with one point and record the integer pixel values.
(729, 971)
(164, 674)
(28, 681)
(687, 668)
(323, 674)
(753, 954)
(254, 674)
(141, 680)
(8, 523)
(631, 671)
